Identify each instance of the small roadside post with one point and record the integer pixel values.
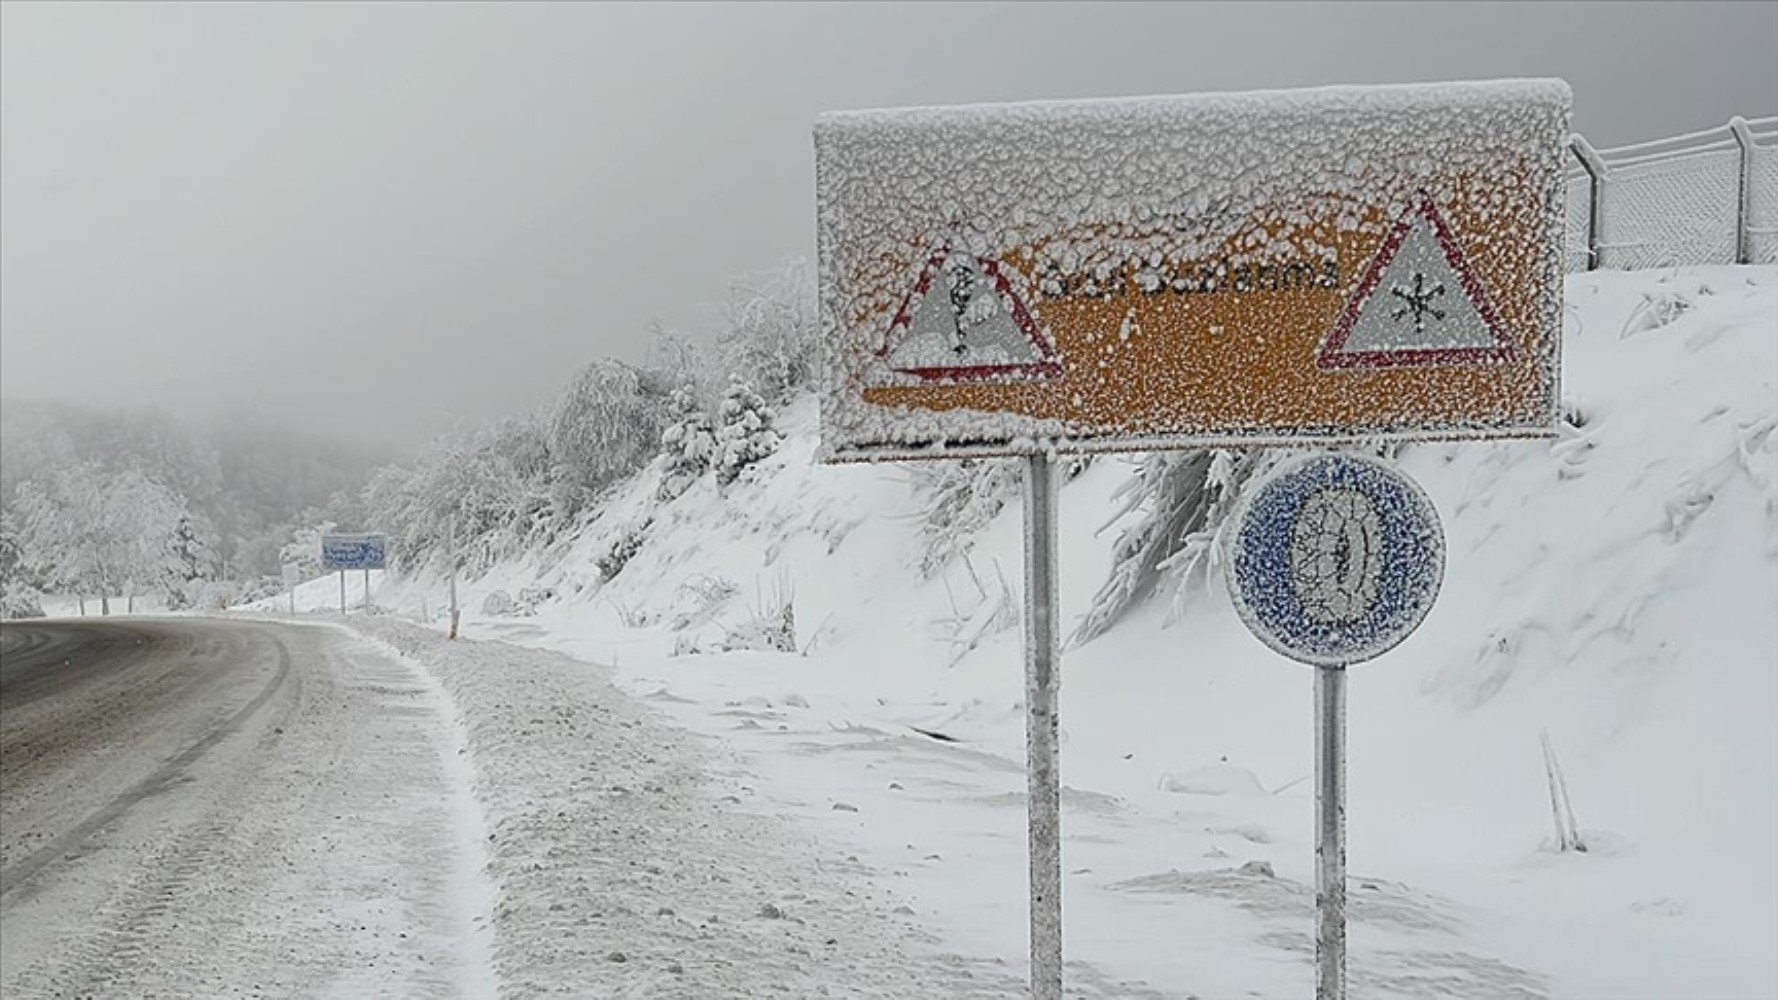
(451, 554)
(360, 551)
(1293, 269)
(291, 577)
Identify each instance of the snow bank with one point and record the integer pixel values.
(631, 862)
(1614, 587)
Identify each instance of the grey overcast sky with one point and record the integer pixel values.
(390, 220)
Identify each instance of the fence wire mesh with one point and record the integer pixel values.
(1678, 201)
(1574, 248)
(1762, 210)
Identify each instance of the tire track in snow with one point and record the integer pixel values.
(312, 856)
(18, 875)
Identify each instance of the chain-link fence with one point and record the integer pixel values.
(1709, 197)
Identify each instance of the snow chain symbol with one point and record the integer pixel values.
(1336, 555)
(1334, 558)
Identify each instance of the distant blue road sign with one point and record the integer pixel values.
(353, 551)
(1335, 558)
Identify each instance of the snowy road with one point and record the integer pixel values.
(192, 807)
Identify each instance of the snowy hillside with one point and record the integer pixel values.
(1616, 588)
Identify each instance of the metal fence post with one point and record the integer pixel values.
(1744, 215)
(1597, 173)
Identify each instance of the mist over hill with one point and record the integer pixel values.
(247, 480)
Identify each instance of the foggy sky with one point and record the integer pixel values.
(389, 220)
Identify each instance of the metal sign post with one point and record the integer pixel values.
(1330, 833)
(1043, 765)
(1334, 559)
(342, 591)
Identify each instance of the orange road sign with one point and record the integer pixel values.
(1291, 267)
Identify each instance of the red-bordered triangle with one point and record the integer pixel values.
(1034, 359)
(1335, 352)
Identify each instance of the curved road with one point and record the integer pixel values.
(200, 807)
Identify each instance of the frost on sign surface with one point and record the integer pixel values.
(1417, 304)
(964, 320)
(1153, 272)
(1334, 558)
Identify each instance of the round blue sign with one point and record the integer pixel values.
(1334, 558)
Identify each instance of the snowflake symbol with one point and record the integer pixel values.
(1418, 301)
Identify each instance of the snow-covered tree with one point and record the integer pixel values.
(88, 530)
(496, 484)
(772, 335)
(140, 517)
(18, 588)
(744, 432)
(689, 444)
(57, 518)
(304, 549)
(192, 560)
(606, 425)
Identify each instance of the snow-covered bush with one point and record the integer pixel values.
(1180, 501)
(958, 499)
(532, 598)
(688, 442)
(606, 425)
(744, 432)
(772, 338)
(499, 602)
(698, 599)
(627, 543)
(771, 626)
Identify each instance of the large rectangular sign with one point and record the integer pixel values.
(1271, 268)
(353, 551)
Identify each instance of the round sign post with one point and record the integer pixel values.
(1335, 558)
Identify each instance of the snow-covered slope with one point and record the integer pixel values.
(1617, 588)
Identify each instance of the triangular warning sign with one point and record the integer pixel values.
(964, 321)
(1418, 304)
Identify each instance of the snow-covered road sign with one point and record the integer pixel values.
(964, 321)
(353, 551)
(1419, 303)
(1334, 558)
(1144, 273)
